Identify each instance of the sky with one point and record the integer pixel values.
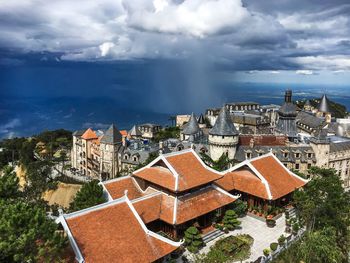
(166, 55)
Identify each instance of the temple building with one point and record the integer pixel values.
(112, 232)
(262, 181)
(173, 192)
(149, 210)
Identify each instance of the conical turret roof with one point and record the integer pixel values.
(323, 106)
(191, 127)
(135, 131)
(112, 135)
(201, 119)
(223, 125)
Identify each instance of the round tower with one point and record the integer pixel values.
(223, 137)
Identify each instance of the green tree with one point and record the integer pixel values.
(27, 234)
(9, 183)
(240, 207)
(319, 247)
(323, 203)
(39, 179)
(90, 194)
(221, 164)
(230, 220)
(193, 239)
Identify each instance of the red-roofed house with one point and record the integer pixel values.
(114, 232)
(261, 181)
(173, 192)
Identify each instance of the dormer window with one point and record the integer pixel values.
(297, 155)
(135, 159)
(285, 155)
(126, 157)
(309, 155)
(248, 155)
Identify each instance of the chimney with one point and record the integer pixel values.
(288, 96)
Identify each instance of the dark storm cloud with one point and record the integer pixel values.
(239, 34)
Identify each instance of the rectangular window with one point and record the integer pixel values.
(297, 166)
(297, 155)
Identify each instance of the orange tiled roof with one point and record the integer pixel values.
(245, 181)
(112, 234)
(158, 175)
(199, 203)
(280, 181)
(89, 134)
(124, 133)
(188, 206)
(190, 171)
(117, 188)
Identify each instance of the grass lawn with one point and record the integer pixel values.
(229, 249)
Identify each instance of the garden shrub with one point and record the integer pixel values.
(281, 240)
(273, 246)
(230, 220)
(266, 252)
(193, 239)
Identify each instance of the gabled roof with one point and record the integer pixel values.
(178, 171)
(111, 231)
(178, 210)
(135, 131)
(191, 127)
(112, 136)
(265, 177)
(89, 134)
(223, 125)
(323, 106)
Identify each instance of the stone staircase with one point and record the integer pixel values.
(292, 212)
(212, 235)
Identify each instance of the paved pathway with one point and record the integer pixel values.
(263, 236)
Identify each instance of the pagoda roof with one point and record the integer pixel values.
(178, 171)
(114, 230)
(265, 177)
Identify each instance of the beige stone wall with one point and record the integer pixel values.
(222, 144)
(181, 119)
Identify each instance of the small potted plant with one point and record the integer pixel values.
(281, 240)
(295, 228)
(266, 252)
(273, 246)
(270, 222)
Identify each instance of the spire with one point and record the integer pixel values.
(192, 126)
(223, 124)
(323, 106)
(288, 96)
(201, 119)
(135, 131)
(112, 135)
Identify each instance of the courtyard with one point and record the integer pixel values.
(263, 236)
